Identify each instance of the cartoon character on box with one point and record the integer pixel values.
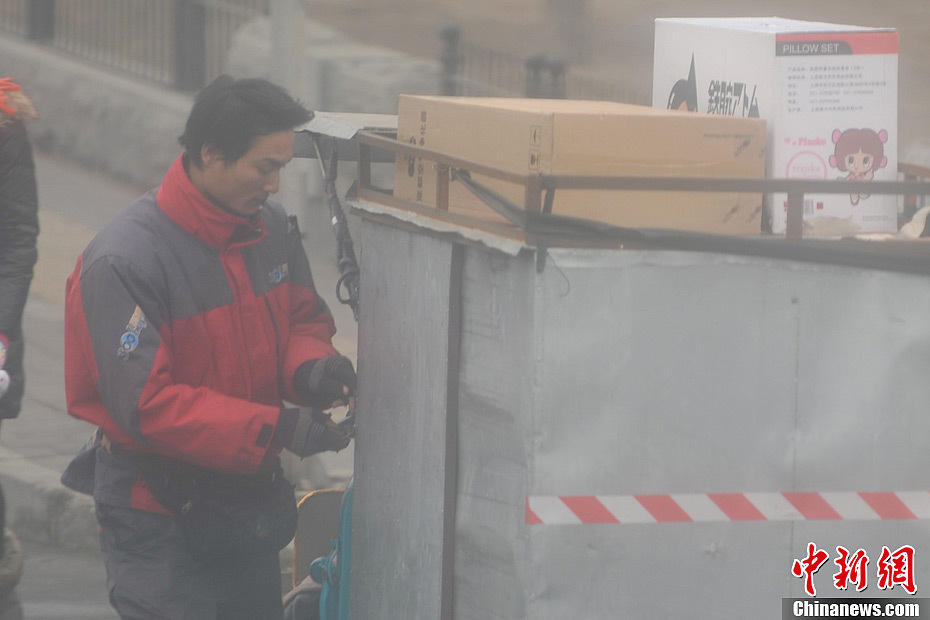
(859, 152)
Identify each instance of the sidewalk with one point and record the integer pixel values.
(36, 447)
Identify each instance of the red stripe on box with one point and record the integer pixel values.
(531, 517)
(663, 508)
(887, 505)
(589, 509)
(875, 42)
(733, 507)
(736, 506)
(812, 506)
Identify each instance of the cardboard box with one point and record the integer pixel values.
(829, 93)
(562, 137)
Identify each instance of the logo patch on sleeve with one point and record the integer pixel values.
(278, 274)
(129, 341)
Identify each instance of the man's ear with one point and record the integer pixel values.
(209, 155)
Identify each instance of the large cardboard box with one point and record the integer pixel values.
(562, 137)
(829, 93)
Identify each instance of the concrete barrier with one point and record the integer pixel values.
(340, 74)
(126, 127)
(40, 508)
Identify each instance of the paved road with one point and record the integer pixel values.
(61, 584)
(74, 203)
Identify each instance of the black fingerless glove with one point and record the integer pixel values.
(323, 381)
(314, 432)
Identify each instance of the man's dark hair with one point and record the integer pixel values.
(229, 114)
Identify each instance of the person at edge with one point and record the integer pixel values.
(19, 229)
(191, 320)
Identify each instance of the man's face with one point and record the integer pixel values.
(243, 185)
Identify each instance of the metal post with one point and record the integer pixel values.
(557, 79)
(535, 65)
(532, 197)
(910, 204)
(285, 16)
(40, 20)
(794, 225)
(442, 188)
(300, 185)
(189, 45)
(451, 58)
(451, 462)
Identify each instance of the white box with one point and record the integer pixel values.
(828, 92)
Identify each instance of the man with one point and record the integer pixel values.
(189, 319)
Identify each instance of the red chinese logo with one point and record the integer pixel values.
(852, 568)
(808, 566)
(895, 568)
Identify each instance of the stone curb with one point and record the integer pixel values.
(39, 507)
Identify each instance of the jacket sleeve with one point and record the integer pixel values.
(311, 323)
(118, 374)
(19, 227)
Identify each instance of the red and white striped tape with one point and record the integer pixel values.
(720, 507)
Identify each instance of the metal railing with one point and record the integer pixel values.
(473, 70)
(913, 202)
(13, 16)
(135, 37)
(182, 43)
(539, 189)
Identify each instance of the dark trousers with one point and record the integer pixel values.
(152, 576)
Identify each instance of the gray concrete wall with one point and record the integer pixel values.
(126, 127)
(339, 74)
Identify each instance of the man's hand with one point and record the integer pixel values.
(332, 382)
(316, 432)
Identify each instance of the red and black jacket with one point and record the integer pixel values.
(184, 327)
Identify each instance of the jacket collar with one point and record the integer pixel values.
(188, 208)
